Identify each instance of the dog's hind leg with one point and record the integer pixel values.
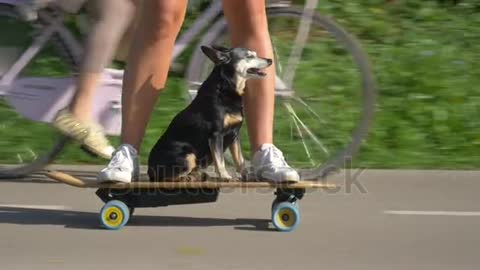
(171, 162)
(190, 164)
(173, 168)
(216, 148)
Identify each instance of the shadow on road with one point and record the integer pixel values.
(88, 220)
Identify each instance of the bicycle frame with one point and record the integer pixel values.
(215, 9)
(199, 24)
(113, 78)
(13, 2)
(55, 25)
(30, 53)
(40, 98)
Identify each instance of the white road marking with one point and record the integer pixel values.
(41, 207)
(433, 213)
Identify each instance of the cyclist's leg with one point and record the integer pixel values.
(111, 20)
(147, 69)
(248, 26)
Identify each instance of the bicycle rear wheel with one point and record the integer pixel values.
(27, 146)
(322, 118)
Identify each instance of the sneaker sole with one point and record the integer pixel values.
(257, 177)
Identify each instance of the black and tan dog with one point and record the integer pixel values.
(199, 134)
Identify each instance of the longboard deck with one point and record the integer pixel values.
(77, 182)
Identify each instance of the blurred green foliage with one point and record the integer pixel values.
(426, 56)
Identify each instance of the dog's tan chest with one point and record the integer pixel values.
(232, 119)
(240, 84)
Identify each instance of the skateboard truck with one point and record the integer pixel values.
(289, 195)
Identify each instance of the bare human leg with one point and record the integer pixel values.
(248, 26)
(112, 19)
(146, 74)
(148, 65)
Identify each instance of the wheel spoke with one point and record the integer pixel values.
(280, 85)
(307, 129)
(311, 89)
(20, 159)
(309, 109)
(300, 133)
(32, 153)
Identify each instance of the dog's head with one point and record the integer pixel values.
(246, 63)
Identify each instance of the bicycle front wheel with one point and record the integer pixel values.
(324, 92)
(25, 145)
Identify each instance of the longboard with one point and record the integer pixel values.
(121, 199)
(210, 184)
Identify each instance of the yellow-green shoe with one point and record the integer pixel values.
(90, 135)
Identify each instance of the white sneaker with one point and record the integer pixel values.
(269, 164)
(123, 167)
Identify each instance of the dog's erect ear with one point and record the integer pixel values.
(221, 48)
(216, 56)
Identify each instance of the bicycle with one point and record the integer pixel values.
(304, 123)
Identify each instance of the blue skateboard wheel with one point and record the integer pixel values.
(114, 215)
(285, 216)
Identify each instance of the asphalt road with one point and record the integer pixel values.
(385, 220)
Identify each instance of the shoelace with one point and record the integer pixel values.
(278, 159)
(119, 158)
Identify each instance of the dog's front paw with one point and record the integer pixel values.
(224, 175)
